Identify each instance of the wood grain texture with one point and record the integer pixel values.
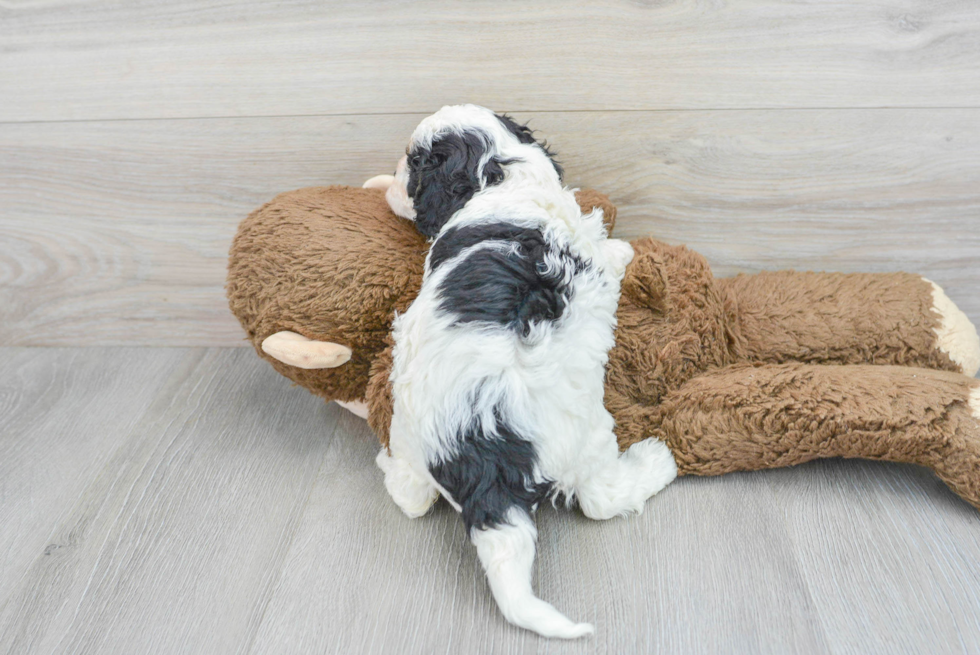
(116, 233)
(227, 512)
(58, 428)
(174, 500)
(174, 542)
(104, 59)
(362, 578)
(871, 538)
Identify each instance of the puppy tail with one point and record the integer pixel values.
(507, 555)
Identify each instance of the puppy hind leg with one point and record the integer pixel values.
(625, 483)
(507, 555)
(413, 493)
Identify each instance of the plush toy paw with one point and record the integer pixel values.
(410, 491)
(956, 336)
(358, 408)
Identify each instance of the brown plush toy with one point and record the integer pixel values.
(746, 373)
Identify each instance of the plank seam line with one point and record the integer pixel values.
(674, 110)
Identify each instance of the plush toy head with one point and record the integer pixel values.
(332, 264)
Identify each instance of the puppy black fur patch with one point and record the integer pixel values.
(508, 286)
(457, 239)
(443, 178)
(489, 474)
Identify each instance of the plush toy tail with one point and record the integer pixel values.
(750, 417)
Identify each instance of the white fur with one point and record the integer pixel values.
(975, 402)
(413, 493)
(397, 194)
(507, 555)
(956, 335)
(550, 383)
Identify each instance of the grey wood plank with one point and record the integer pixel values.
(63, 413)
(707, 568)
(889, 554)
(175, 542)
(116, 233)
(103, 59)
(239, 514)
(838, 190)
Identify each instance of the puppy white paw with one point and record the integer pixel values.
(618, 255)
(629, 481)
(956, 335)
(655, 464)
(411, 492)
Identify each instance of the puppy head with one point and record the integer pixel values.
(458, 152)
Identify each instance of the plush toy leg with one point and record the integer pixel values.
(747, 417)
(888, 318)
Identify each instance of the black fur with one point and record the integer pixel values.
(443, 178)
(491, 473)
(505, 286)
(526, 135)
(458, 238)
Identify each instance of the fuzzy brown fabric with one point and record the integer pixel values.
(828, 317)
(746, 417)
(733, 374)
(677, 321)
(332, 264)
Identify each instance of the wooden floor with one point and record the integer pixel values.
(189, 500)
(163, 490)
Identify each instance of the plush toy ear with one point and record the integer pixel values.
(296, 350)
(379, 182)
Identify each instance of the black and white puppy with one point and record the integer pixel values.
(499, 363)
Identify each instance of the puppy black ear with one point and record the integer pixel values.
(525, 134)
(444, 177)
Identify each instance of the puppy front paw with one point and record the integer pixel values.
(410, 491)
(618, 255)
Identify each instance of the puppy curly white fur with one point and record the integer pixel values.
(499, 363)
